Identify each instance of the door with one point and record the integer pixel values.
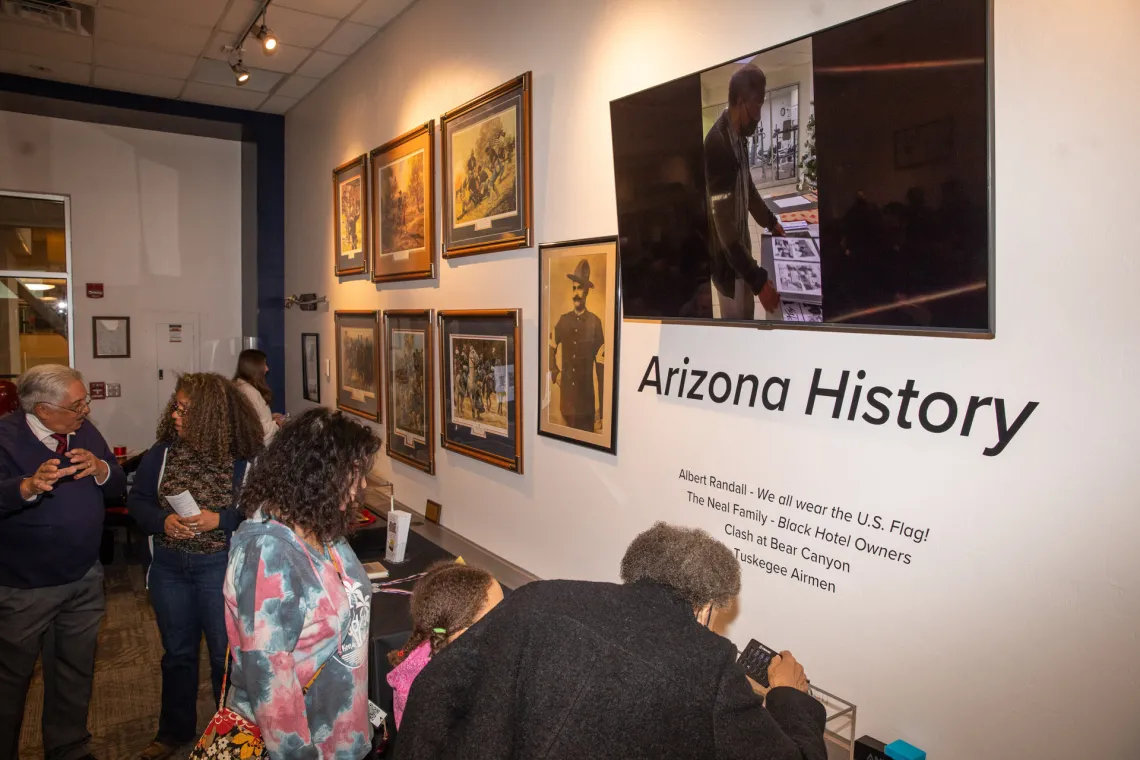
(176, 353)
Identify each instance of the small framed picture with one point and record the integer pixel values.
(487, 195)
(408, 388)
(358, 363)
(111, 337)
(579, 329)
(403, 207)
(311, 367)
(480, 397)
(350, 216)
(433, 511)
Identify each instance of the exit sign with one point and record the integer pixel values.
(94, 290)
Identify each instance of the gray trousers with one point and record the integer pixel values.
(63, 621)
(741, 306)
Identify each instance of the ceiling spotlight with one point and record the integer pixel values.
(38, 287)
(240, 72)
(268, 40)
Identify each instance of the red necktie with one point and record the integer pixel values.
(60, 443)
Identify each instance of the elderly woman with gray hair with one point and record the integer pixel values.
(572, 669)
(55, 470)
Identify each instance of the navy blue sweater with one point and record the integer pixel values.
(54, 539)
(149, 512)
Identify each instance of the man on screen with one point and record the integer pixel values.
(582, 337)
(732, 197)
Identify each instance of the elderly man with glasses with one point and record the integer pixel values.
(55, 470)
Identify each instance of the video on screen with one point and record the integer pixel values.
(842, 178)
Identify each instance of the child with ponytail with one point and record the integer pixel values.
(447, 601)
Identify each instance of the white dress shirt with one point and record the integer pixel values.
(264, 413)
(40, 431)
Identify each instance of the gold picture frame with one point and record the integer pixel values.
(350, 217)
(409, 398)
(358, 386)
(403, 206)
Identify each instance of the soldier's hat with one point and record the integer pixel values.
(581, 274)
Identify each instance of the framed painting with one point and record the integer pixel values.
(350, 216)
(480, 397)
(487, 197)
(111, 337)
(403, 207)
(579, 329)
(311, 367)
(410, 409)
(358, 363)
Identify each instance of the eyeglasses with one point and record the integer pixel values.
(76, 408)
(182, 409)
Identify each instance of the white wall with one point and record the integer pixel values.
(156, 217)
(1013, 633)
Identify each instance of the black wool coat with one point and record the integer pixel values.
(566, 670)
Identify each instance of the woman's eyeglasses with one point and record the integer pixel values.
(182, 409)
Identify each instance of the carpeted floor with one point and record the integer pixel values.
(128, 680)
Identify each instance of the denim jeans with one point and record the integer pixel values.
(186, 591)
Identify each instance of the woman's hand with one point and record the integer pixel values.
(174, 528)
(784, 670)
(202, 522)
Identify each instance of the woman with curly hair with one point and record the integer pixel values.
(207, 436)
(298, 601)
(448, 600)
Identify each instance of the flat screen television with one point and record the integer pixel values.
(865, 148)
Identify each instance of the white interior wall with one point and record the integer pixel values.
(156, 217)
(1013, 632)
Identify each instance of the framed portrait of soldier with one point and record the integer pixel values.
(480, 396)
(358, 363)
(350, 216)
(579, 329)
(486, 156)
(403, 207)
(410, 409)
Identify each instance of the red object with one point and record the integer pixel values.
(97, 390)
(9, 399)
(120, 451)
(94, 290)
(60, 442)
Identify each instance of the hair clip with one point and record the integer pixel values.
(439, 630)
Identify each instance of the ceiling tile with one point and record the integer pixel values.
(348, 38)
(335, 8)
(379, 12)
(25, 38)
(219, 73)
(233, 97)
(320, 65)
(153, 62)
(44, 68)
(297, 87)
(239, 15)
(195, 13)
(278, 104)
(285, 59)
(137, 81)
(150, 33)
(301, 29)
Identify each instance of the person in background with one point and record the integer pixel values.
(447, 601)
(207, 438)
(55, 473)
(301, 500)
(572, 669)
(249, 378)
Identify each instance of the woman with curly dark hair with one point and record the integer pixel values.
(207, 436)
(298, 600)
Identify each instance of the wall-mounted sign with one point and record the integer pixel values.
(94, 290)
(176, 333)
(97, 390)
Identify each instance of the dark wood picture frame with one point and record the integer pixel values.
(419, 263)
(316, 340)
(348, 402)
(358, 262)
(126, 321)
(501, 446)
(605, 439)
(402, 445)
(495, 232)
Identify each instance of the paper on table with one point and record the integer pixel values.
(798, 200)
(183, 504)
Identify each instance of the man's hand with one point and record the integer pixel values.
(769, 298)
(202, 522)
(44, 478)
(778, 231)
(174, 528)
(87, 464)
(784, 670)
